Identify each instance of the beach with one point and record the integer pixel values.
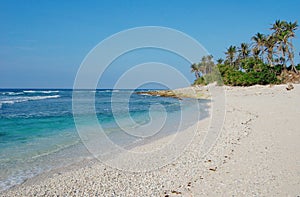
(256, 154)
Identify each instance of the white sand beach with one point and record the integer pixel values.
(256, 154)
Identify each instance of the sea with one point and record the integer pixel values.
(38, 131)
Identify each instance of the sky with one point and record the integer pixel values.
(43, 43)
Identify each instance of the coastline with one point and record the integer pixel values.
(256, 154)
(196, 92)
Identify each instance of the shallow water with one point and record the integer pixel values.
(38, 133)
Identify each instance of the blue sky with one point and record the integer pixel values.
(42, 43)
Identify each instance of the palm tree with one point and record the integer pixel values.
(291, 28)
(230, 54)
(280, 36)
(220, 61)
(244, 51)
(284, 32)
(195, 69)
(209, 64)
(206, 65)
(210, 57)
(203, 65)
(270, 43)
(278, 26)
(259, 42)
(255, 52)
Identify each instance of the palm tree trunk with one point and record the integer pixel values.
(269, 57)
(291, 57)
(293, 66)
(283, 60)
(295, 69)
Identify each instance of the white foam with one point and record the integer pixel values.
(41, 91)
(24, 99)
(12, 93)
(29, 91)
(42, 97)
(7, 102)
(49, 91)
(15, 93)
(146, 94)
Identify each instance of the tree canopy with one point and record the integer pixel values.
(263, 61)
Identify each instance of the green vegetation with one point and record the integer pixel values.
(264, 61)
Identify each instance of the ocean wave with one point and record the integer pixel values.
(56, 149)
(12, 93)
(110, 90)
(49, 91)
(145, 94)
(41, 91)
(6, 102)
(24, 99)
(18, 178)
(29, 91)
(102, 90)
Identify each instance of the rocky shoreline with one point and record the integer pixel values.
(196, 92)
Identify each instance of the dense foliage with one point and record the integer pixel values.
(262, 62)
(252, 72)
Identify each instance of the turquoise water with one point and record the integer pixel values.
(37, 130)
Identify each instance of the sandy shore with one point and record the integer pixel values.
(256, 154)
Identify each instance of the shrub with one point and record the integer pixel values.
(200, 81)
(253, 72)
(214, 76)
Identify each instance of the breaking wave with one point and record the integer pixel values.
(24, 99)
